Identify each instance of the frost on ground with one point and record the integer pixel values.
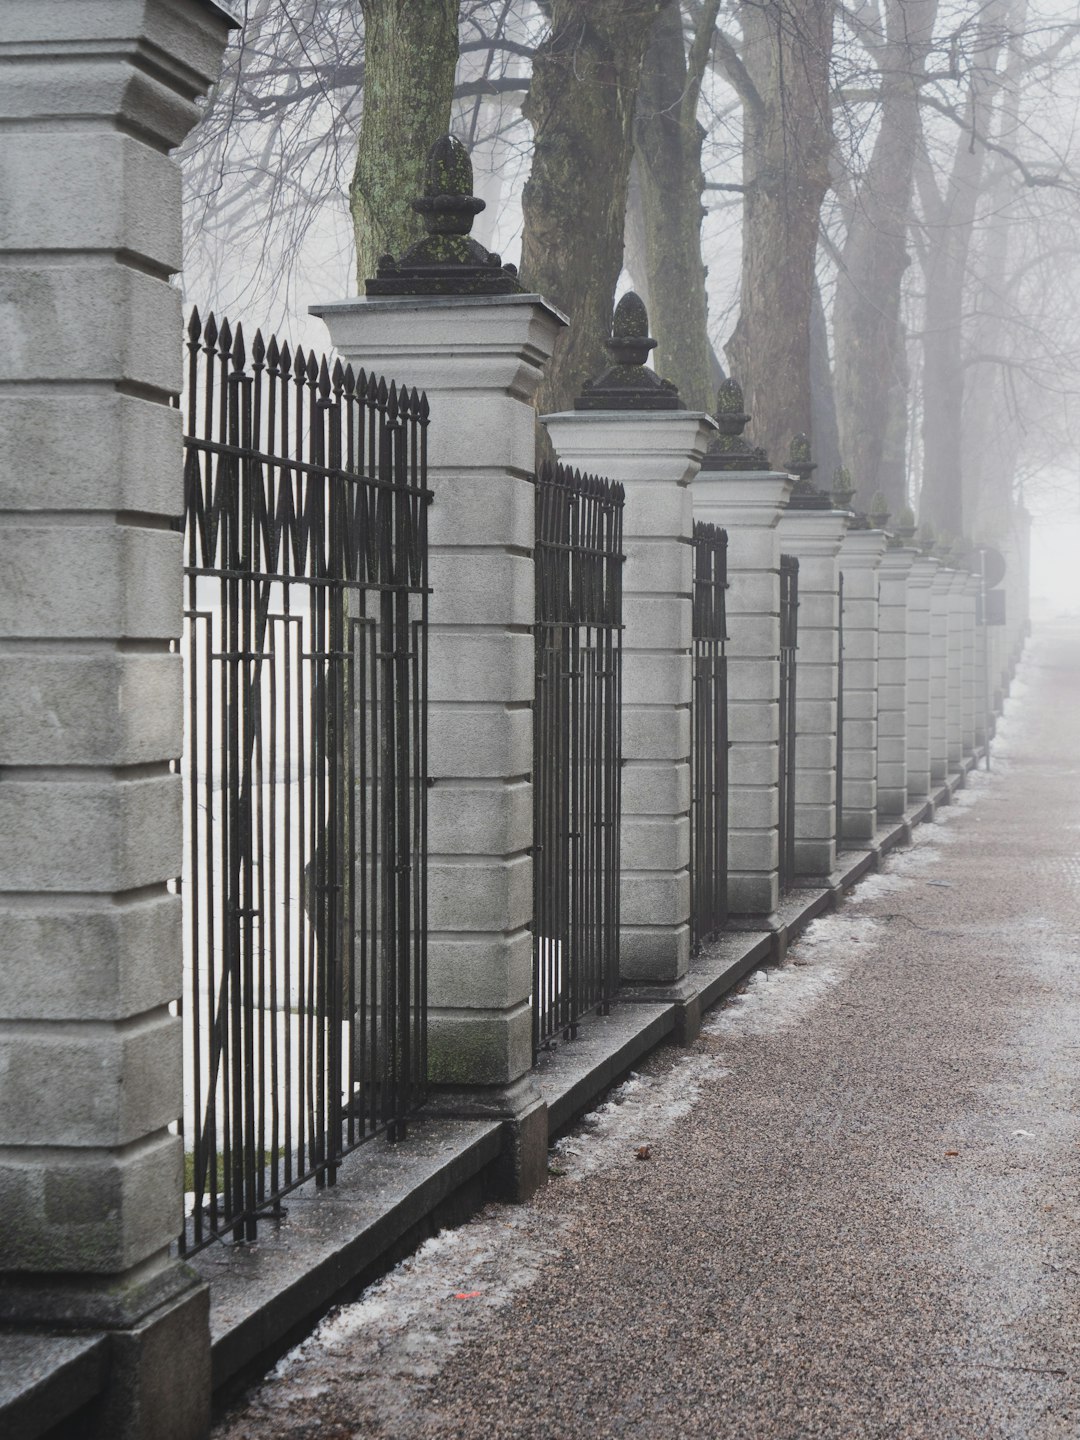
(405, 1327)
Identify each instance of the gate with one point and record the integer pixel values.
(709, 738)
(305, 638)
(789, 639)
(576, 749)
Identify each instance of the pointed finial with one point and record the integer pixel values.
(879, 511)
(628, 384)
(843, 488)
(447, 260)
(800, 460)
(731, 449)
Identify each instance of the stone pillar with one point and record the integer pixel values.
(892, 770)
(634, 430)
(811, 530)
(477, 346)
(955, 680)
(971, 707)
(748, 501)
(920, 582)
(860, 557)
(91, 708)
(983, 724)
(939, 676)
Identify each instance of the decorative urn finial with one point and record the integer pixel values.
(447, 260)
(629, 384)
(905, 524)
(805, 495)
(731, 449)
(843, 488)
(879, 511)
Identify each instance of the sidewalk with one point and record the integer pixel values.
(851, 1209)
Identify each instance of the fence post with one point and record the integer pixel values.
(632, 428)
(893, 666)
(452, 321)
(939, 675)
(91, 714)
(860, 557)
(957, 602)
(920, 581)
(971, 704)
(736, 489)
(811, 529)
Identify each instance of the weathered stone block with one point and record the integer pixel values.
(659, 843)
(478, 894)
(479, 741)
(477, 1047)
(481, 665)
(491, 504)
(662, 789)
(95, 1086)
(94, 1212)
(479, 818)
(111, 323)
(490, 972)
(72, 709)
(657, 623)
(96, 451)
(116, 836)
(647, 898)
(119, 195)
(657, 955)
(90, 582)
(103, 963)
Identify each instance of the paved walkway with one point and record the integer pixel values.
(858, 1214)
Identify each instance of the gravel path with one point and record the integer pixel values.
(858, 1215)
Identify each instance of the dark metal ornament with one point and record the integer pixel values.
(447, 261)
(629, 384)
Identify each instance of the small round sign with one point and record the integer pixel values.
(993, 565)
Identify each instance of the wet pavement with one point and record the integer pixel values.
(851, 1209)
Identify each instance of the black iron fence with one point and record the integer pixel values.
(840, 716)
(789, 640)
(305, 533)
(709, 738)
(576, 749)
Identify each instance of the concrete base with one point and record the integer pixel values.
(521, 1111)
(149, 1382)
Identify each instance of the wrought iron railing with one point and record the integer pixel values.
(305, 534)
(709, 738)
(576, 749)
(789, 640)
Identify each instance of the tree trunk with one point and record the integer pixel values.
(826, 436)
(410, 54)
(950, 221)
(581, 106)
(787, 136)
(866, 316)
(668, 141)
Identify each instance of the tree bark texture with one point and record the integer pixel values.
(411, 51)
(668, 141)
(866, 314)
(950, 221)
(787, 136)
(581, 107)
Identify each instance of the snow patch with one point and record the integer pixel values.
(635, 1113)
